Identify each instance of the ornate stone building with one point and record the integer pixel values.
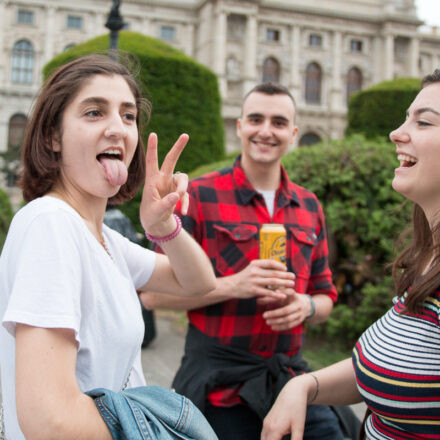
(323, 50)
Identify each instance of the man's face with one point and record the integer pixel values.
(266, 127)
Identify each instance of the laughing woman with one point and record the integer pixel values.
(395, 367)
(68, 303)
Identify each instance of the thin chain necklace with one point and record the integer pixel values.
(103, 244)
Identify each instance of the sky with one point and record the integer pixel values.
(429, 11)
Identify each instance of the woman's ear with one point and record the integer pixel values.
(54, 143)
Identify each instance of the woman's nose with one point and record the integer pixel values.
(116, 127)
(399, 134)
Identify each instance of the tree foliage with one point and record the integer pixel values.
(5, 216)
(378, 110)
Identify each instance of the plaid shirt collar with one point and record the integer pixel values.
(246, 192)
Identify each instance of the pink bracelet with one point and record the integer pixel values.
(174, 234)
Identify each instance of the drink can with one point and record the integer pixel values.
(273, 242)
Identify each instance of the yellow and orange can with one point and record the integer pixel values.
(273, 242)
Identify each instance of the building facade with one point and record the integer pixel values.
(322, 50)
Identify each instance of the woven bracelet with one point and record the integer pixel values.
(174, 234)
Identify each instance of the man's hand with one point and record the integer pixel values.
(292, 312)
(263, 279)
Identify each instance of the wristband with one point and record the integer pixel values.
(312, 305)
(174, 234)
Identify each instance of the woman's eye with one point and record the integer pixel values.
(93, 113)
(130, 117)
(423, 124)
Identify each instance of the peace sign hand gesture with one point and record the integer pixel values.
(162, 189)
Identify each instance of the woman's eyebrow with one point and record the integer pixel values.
(103, 101)
(419, 111)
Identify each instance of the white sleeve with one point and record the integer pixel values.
(45, 275)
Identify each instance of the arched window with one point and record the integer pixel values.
(354, 81)
(17, 125)
(313, 83)
(271, 70)
(16, 128)
(309, 139)
(22, 62)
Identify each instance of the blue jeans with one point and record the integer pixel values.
(151, 413)
(240, 422)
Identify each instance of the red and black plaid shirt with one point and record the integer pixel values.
(225, 215)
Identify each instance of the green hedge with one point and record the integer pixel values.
(5, 216)
(378, 110)
(352, 179)
(184, 95)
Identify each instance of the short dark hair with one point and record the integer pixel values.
(41, 165)
(270, 88)
(431, 79)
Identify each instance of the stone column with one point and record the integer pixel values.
(49, 34)
(146, 26)
(220, 49)
(3, 52)
(295, 76)
(389, 56)
(377, 60)
(189, 40)
(414, 52)
(435, 62)
(336, 99)
(250, 56)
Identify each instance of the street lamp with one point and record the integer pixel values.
(115, 24)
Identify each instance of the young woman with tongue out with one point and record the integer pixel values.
(395, 367)
(70, 312)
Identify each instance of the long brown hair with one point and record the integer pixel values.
(424, 246)
(41, 164)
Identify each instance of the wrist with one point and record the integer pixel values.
(311, 301)
(165, 231)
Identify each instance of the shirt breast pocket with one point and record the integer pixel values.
(237, 245)
(300, 252)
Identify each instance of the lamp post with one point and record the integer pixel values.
(115, 24)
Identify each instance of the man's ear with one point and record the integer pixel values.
(238, 127)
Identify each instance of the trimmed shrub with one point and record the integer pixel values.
(5, 216)
(184, 95)
(380, 109)
(352, 179)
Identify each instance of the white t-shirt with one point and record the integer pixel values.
(55, 274)
(269, 199)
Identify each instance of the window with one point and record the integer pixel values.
(25, 17)
(356, 45)
(313, 83)
(273, 35)
(315, 40)
(22, 62)
(271, 70)
(236, 27)
(16, 128)
(167, 33)
(354, 81)
(309, 139)
(74, 22)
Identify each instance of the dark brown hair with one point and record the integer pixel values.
(270, 88)
(41, 164)
(424, 246)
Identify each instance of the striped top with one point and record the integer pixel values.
(397, 367)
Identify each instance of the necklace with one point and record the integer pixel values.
(105, 247)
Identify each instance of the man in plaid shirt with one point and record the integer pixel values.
(244, 338)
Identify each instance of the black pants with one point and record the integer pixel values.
(241, 423)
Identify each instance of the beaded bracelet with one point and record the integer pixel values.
(174, 234)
